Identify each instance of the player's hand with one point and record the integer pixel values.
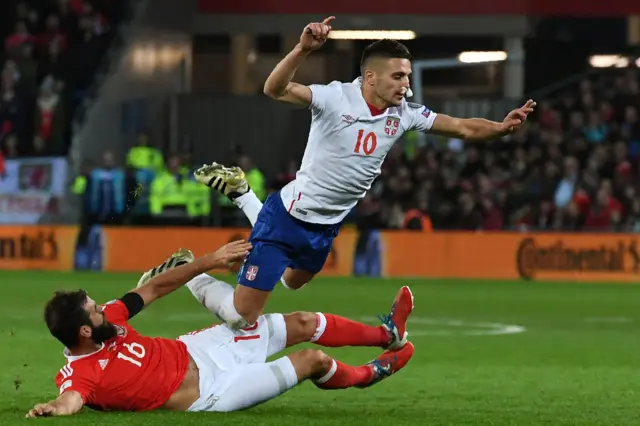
(229, 254)
(42, 410)
(315, 34)
(516, 118)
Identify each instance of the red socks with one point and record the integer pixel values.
(342, 376)
(335, 331)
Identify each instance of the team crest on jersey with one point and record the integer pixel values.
(252, 272)
(426, 112)
(391, 126)
(121, 330)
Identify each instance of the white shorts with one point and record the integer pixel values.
(225, 358)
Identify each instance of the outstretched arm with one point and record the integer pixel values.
(169, 281)
(479, 129)
(70, 402)
(279, 85)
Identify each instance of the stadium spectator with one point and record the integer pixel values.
(11, 146)
(50, 116)
(20, 36)
(144, 156)
(175, 200)
(106, 192)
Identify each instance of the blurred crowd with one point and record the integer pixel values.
(575, 166)
(50, 52)
(157, 189)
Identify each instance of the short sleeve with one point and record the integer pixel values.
(116, 311)
(420, 117)
(70, 380)
(323, 96)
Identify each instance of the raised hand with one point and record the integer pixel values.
(516, 118)
(229, 254)
(315, 34)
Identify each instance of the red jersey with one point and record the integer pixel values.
(130, 372)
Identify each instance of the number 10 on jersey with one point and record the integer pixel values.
(367, 144)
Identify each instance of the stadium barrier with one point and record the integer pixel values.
(29, 247)
(465, 255)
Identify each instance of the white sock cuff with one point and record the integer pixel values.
(242, 200)
(285, 373)
(321, 325)
(330, 373)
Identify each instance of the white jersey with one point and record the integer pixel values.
(345, 150)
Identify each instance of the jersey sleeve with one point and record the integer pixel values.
(69, 380)
(420, 117)
(116, 311)
(323, 96)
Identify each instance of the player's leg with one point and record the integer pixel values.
(231, 182)
(254, 384)
(208, 290)
(331, 330)
(293, 279)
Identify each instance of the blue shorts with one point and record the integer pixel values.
(279, 241)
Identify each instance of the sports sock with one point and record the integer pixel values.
(336, 331)
(342, 376)
(250, 205)
(217, 296)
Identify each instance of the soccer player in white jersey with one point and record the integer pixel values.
(353, 127)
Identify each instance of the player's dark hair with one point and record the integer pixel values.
(384, 48)
(65, 314)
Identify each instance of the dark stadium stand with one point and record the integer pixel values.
(576, 167)
(43, 80)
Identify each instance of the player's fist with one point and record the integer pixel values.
(315, 34)
(41, 410)
(516, 118)
(229, 253)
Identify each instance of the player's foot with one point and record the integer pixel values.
(178, 258)
(396, 321)
(229, 181)
(390, 362)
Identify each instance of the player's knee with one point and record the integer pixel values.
(301, 326)
(316, 361)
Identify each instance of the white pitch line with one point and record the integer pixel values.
(465, 328)
(608, 320)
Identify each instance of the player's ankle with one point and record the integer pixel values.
(389, 336)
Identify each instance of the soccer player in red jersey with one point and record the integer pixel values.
(111, 367)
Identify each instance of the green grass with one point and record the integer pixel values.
(575, 364)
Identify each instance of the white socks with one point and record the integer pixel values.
(250, 205)
(217, 296)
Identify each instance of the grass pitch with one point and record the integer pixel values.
(487, 353)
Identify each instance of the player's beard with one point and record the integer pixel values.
(103, 332)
